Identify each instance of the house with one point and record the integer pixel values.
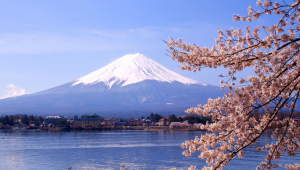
(111, 122)
(120, 123)
(87, 121)
(32, 125)
(133, 123)
(20, 125)
(162, 122)
(50, 125)
(52, 120)
(71, 121)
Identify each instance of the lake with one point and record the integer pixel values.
(43, 150)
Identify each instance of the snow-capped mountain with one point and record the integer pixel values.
(130, 69)
(132, 85)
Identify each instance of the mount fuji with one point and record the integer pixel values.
(133, 85)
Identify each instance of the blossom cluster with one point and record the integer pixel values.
(276, 61)
(180, 125)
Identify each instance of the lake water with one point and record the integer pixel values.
(22, 150)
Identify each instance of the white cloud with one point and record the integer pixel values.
(12, 90)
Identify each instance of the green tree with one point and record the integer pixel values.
(62, 122)
(173, 118)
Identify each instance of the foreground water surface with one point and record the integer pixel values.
(21, 150)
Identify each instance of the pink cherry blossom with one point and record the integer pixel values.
(275, 57)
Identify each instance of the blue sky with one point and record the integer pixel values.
(44, 44)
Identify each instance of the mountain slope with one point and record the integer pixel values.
(131, 85)
(133, 68)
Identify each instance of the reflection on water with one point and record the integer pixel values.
(21, 150)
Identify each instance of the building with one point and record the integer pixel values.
(162, 122)
(111, 122)
(52, 120)
(87, 121)
(135, 122)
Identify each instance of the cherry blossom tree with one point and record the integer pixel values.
(276, 61)
(180, 125)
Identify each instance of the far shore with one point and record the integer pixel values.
(149, 128)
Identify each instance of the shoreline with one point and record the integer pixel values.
(152, 129)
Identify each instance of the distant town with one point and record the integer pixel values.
(96, 122)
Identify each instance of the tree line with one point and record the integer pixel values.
(172, 118)
(19, 119)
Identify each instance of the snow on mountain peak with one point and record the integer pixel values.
(133, 68)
